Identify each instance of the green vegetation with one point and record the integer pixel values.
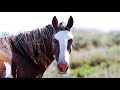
(95, 54)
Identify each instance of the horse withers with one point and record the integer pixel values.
(28, 54)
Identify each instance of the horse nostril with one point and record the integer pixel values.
(60, 68)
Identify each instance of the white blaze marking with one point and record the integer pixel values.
(63, 37)
(8, 69)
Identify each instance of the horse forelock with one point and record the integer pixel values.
(33, 44)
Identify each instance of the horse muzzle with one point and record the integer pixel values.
(62, 68)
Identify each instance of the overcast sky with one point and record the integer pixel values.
(13, 22)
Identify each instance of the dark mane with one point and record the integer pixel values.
(33, 44)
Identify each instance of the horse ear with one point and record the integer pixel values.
(55, 22)
(70, 22)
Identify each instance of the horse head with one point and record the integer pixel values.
(62, 43)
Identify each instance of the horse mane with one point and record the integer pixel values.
(33, 44)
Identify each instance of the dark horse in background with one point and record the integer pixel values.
(28, 54)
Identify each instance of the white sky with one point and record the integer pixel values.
(13, 22)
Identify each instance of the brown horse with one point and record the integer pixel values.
(28, 54)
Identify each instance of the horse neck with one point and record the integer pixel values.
(47, 38)
(45, 50)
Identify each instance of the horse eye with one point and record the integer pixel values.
(55, 41)
(70, 40)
